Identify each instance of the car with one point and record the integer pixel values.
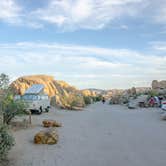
(163, 104)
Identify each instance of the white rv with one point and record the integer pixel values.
(35, 98)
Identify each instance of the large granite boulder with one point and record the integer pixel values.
(158, 84)
(46, 137)
(61, 93)
(139, 101)
(51, 123)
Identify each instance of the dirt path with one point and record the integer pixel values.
(102, 135)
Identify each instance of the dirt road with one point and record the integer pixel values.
(101, 135)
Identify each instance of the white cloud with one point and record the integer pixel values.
(100, 67)
(159, 46)
(9, 10)
(70, 15)
(160, 12)
(86, 14)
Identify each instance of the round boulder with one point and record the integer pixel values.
(46, 137)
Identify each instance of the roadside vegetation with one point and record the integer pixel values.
(9, 108)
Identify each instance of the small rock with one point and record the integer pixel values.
(51, 123)
(163, 116)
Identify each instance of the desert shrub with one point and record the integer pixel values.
(152, 93)
(116, 99)
(97, 98)
(125, 100)
(75, 101)
(8, 106)
(72, 100)
(11, 108)
(87, 100)
(6, 141)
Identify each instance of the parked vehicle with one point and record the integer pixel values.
(35, 98)
(163, 104)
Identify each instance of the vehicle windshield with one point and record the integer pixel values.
(34, 97)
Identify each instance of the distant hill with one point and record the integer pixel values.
(93, 92)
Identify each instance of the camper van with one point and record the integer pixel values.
(35, 99)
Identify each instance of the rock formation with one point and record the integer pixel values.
(61, 93)
(87, 92)
(158, 84)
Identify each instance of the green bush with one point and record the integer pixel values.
(97, 98)
(72, 101)
(75, 101)
(87, 100)
(8, 106)
(11, 108)
(152, 93)
(6, 142)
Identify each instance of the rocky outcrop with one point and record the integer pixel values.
(61, 93)
(46, 137)
(158, 84)
(87, 92)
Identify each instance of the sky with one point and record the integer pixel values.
(102, 44)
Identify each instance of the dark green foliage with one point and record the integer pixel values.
(87, 100)
(97, 98)
(153, 93)
(11, 108)
(6, 141)
(8, 106)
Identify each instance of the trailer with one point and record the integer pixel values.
(35, 99)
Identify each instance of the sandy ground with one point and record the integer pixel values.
(101, 135)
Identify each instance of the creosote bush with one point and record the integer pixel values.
(6, 141)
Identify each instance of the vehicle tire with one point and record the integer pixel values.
(47, 109)
(40, 110)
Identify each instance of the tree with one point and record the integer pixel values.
(6, 139)
(4, 81)
(8, 106)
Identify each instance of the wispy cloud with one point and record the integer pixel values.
(100, 67)
(9, 11)
(160, 12)
(158, 46)
(87, 14)
(70, 15)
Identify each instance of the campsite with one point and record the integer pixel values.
(99, 135)
(112, 132)
(82, 82)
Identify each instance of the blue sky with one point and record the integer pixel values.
(88, 43)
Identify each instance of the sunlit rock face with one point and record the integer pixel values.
(61, 93)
